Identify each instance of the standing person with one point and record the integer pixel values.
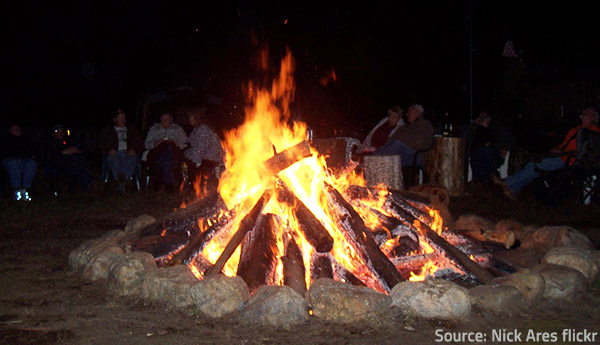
(513, 184)
(18, 158)
(64, 155)
(384, 129)
(122, 146)
(485, 155)
(164, 144)
(205, 151)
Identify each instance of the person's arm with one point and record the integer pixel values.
(180, 138)
(571, 135)
(151, 138)
(103, 143)
(135, 144)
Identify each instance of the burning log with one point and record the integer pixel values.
(455, 253)
(258, 257)
(287, 157)
(321, 267)
(246, 225)
(195, 246)
(314, 232)
(293, 268)
(504, 237)
(385, 271)
(161, 247)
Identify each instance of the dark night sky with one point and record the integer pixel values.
(73, 62)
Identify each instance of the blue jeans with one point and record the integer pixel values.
(122, 163)
(396, 147)
(521, 179)
(20, 171)
(72, 165)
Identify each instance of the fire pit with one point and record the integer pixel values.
(283, 226)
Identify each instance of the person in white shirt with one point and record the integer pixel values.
(164, 144)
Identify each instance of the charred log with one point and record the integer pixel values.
(293, 269)
(246, 225)
(161, 247)
(197, 243)
(314, 232)
(321, 268)
(258, 257)
(385, 271)
(287, 157)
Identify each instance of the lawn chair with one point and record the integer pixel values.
(577, 181)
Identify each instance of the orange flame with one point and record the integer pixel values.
(428, 269)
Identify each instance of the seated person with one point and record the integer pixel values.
(378, 136)
(205, 152)
(487, 145)
(122, 146)
(515, 183)
(18, 158)
(164, 144)
(415, 135)
(64, 155)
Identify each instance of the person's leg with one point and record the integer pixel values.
(13, 166)
(74, 166)
(164, 164)
(483, 163)
(521, 179)
(112, 162)
(396, 147)
(128, 164)
(29, 169)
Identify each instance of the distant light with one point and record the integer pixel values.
(285, 22)
(196, 29)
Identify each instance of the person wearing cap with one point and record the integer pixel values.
(18, 158)
(122, 146)
(513, 184)
(384, 129)
(64, 155)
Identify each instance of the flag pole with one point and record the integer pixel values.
(470, 29)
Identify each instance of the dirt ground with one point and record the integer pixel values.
(42, 303)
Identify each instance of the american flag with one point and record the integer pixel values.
(509, 50)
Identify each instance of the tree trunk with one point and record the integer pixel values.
(446, 165)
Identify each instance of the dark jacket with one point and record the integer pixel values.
(108, 140)
(17, 147)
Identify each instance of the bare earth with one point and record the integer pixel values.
(42, 303)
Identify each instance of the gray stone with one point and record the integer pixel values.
(339, 302)
(578, 258)
(136, 224)
(220, 295)
(99, 264)
(531, 284)
(561, 282)
(275, 306)
(432, 299)
(171, 285)
(128, 272)
(80, 257)
(558, 236)
(497, 297)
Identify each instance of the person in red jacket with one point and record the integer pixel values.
(515, 183)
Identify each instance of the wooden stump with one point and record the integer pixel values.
(446, 164)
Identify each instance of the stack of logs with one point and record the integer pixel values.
(177, 239)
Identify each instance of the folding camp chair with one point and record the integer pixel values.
(577, 181)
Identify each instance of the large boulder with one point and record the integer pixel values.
(339, 302)
(561, 282)
(135, 225)
(275, 306)
(432, 299)
(219, 295)
(171, 285)
(575, 257)
(530, 283)
(548, 237)
(128, 272)
(99, 264)
(80, 257)
(497, 297)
